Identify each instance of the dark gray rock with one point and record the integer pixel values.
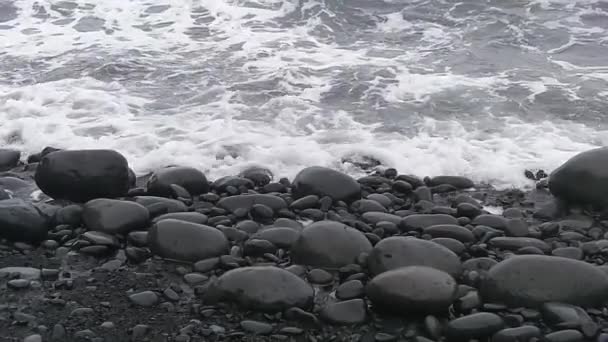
(306, 202)
(256, 328)
(353, 311)
(329, 244)
(568, 252)
(8, 159)
(410, 290)
(167, 205)
(467, 210)
(583, 178)
(455, 181)
(322, 181)
(248, 226)
(523, 333)
(402, 187)
(70, 215)
(515, 243)
(186, 241)
(193, 217)
(222, 184)
(261, 212)
(82, 175)
(350, 289)
(259, 176)
(532, 280)
(382, 199)
(263, 288)
(319, 276)
(423, 193)
(451, 244)
(493, 221)
(280, 237)
(375, 217)
(194, 181)
(474, 326)
(560, 315)
(365, 206)
(246, 202)
(569, 335)
(101, 238)
(145, 298)
(206, 265)
(395, 252)
(114, 216)
(256, 247)
(516, 228)
(21, 221)
(453, 231)
(421, 221)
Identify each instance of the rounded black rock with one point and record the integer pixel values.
(410, 290)
(191, 179)
(82, 175)
(474, 326)
(318, 242)
(21, 221)
(322, 181)
(263, 288)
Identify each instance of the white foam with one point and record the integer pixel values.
(205, 123)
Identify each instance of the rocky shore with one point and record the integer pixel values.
(90, 252)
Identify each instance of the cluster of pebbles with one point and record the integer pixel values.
(101, 255)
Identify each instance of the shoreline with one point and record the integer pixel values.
(150, 268)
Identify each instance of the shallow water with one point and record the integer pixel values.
(483, 89)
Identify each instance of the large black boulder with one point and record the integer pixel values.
(82, 175)
(583, 179)
(191, 179)
(21, 221)
(321, 181)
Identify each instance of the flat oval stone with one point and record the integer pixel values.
(114, 216)
(280, 237)
(168, 204)
(421, 221)
(515, 243)
(322, 181)
(348, 312)
(350, 289)
(451, 244)
(414, 289)
(568, 252)
(494, 221)
(186, 241)
(100, 238)
(532, 280)
(399, 251)
(246, 202)
(263, 288)
(453, 231)
(365, 206)
(474, 326)
(457, 182)
(569, 335)
(375, 217)
(383, 200)
(329, 244)
(193, 217)
(523, 333)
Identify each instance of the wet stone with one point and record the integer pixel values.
(350, 289)
(18, 284)
(348, 312)
(569, 335)
(145, 298)
(256, 328)
(568, 252)
(474, 326)
(319, 276)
